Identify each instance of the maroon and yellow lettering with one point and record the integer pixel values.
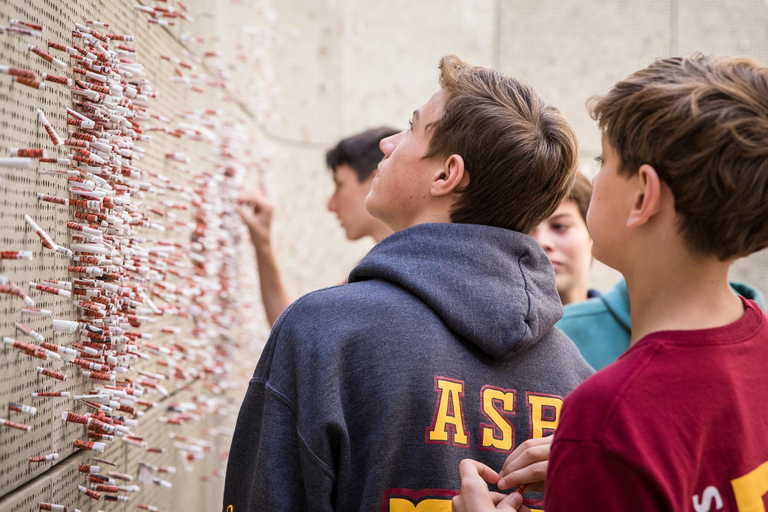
(544, 413)
(427, 500)
(497, 403)
(448, 414)
(427, 505)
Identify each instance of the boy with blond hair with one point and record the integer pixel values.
(678, 422)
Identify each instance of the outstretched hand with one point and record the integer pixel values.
(475, 496)
(256, 211)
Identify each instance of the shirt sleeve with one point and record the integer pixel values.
(585, 476)
(270, 466)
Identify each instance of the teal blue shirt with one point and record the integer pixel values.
(600, 327)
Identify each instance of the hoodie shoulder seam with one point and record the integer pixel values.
(527, 294)
(320, 463)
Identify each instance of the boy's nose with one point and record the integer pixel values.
(547, 245)
(387, 145)
(544, 239)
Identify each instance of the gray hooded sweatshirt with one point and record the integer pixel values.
(367, 395)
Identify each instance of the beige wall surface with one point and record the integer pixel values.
(346, 65)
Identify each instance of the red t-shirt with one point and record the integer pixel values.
(679, 422)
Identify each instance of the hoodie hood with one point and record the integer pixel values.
(491, 286)
(617, 302)
(748, 292)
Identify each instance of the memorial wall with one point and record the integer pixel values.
(130, 311)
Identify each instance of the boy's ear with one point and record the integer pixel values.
(451, 177)
(647, 200)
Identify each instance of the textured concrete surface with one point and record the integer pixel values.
(347, 65)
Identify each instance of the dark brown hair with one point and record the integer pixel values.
(702, 123)
(520, 153)
(360, 152)
(581, 194)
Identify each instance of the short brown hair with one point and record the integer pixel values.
(581, 194)
(519, 151)
(702, 123)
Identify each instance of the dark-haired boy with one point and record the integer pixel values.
(679, 421)
(443, 345)
(353, 161)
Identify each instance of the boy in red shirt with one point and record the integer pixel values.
(679, 421)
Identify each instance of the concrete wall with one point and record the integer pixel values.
(339, 66)
(347, 65)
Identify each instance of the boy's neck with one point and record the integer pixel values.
(430, 215)
(380, 231)
(577, 293)
(687, 294)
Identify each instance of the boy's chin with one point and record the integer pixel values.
(372, 206)
(352, 236)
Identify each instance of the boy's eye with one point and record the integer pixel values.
(560, 227)
(599, 159)
(410, 124)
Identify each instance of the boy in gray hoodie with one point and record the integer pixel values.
(442, 346)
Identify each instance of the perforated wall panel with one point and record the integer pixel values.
(210, 73)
